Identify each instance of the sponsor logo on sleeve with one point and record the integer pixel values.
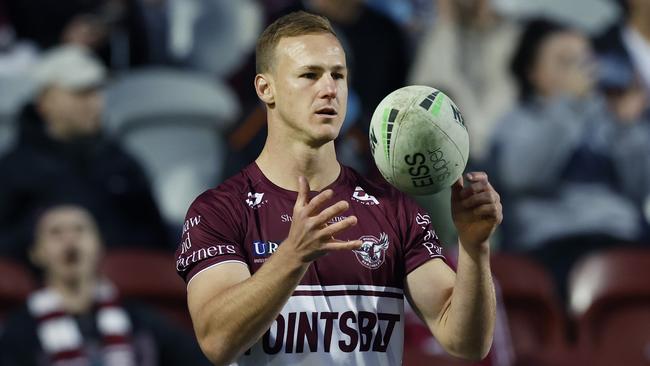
(364, 198)
(186, 243)
(423, 220)
(372, 252)
(197, 255)
(255, 200)
(191, 222)
(430, 234)
(433, 248)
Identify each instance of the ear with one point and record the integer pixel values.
(264, 88)
(43, 100)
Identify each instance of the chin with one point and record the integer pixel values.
(326, 134)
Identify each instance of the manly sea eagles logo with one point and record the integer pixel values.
(372, 252)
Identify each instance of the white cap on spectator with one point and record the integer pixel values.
(69, 67)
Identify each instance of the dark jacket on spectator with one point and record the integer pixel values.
(94, 172)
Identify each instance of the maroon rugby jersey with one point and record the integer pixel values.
(348, 308)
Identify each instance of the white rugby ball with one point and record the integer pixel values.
(418, 140)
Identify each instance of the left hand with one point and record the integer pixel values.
(476, 209)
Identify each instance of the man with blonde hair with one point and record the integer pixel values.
(300, 260)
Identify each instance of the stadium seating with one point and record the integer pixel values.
(16, 282)
(215, 36)
(14, 93)
(148, 276)
(535, 316)
(173, 122)
(610, 300)
(416, 357)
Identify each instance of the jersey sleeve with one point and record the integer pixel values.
(211, 235)
(421, 243)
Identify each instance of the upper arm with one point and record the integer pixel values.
(210, 256)
(210, 283)
(429, 280)
(428, 290)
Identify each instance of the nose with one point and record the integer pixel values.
(328, 87)
(69, 237)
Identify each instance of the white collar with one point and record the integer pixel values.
(639, 51)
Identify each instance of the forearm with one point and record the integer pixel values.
(239, 316)
(469, 318)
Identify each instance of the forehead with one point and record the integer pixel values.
(566, 39)
(311, 49)
(65, 216)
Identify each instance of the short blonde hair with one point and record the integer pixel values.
(291, 25)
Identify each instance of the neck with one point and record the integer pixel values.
(77, 294)
(282, 162)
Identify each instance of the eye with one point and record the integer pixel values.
(56, 231)
(309, 75)
(338, 76)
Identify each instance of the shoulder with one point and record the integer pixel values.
(225, 203)
(231, 193)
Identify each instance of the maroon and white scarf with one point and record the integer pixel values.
(61, 338)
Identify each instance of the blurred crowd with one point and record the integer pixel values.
(115, 114)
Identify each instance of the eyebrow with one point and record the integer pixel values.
(321, 68)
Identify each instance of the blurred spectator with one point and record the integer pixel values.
(15, 57)
(466, 54)
(414, 16)
(77, 317)
(629, 102)
(114, 29)
(559, 156)
(629, 41)
(61, 154)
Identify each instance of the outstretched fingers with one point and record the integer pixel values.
(319, 201)
(342, 245)
(330, 230)
(331, 212)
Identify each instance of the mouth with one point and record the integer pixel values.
(327, 112)
(71, 256)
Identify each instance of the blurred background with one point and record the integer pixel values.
(128, 109)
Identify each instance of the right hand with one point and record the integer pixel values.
(310, 235)
(629, 105)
